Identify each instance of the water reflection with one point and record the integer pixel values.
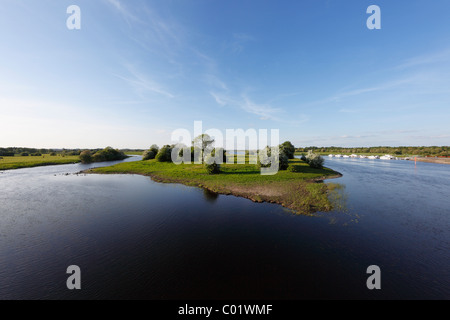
(137, 239)
(209, 195)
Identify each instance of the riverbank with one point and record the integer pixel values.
(433, 160)
(299, 191)
(20, 162)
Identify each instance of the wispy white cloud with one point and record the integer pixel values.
(154, 34)
(408, 83)
(142, 84)
(265, 112)
(124, 11)
(243, 102)
(222, 101)
(214, 81)
(431, 58)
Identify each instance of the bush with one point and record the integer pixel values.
(86, 156)
(108, 154)
(303, 158)
(284, 161)
(314, 160)
(24, 154)
(264, 158)
(37, 154)
(267, 159)
(211, 166)
(149, 155)
(288, 149)
(165, 154)
(1, 158)
(53, 154)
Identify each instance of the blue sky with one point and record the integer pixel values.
(137, 70)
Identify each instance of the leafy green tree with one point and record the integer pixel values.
(314, 160)
(150, 153)
(288, 149)
(86, 156)
(266, 159)
(164, 154)
(108, 154)
(204, 144)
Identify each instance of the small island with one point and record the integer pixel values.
(296, 186)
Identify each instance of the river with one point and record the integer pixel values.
(135, 238)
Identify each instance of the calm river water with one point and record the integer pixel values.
(135, 238)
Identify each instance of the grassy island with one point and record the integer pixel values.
(300, 191)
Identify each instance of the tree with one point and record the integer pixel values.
(288, 148)
(165, 154)
(86, 156)
(314, 160)
(266, 159)
(108, 154)
(150, 153)
(204, 144)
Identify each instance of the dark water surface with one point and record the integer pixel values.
(134, 238)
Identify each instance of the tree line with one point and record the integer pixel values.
(420, 151)
(202, 150)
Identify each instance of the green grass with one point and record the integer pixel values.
(298, 190)
(17, 162)
(134, 153)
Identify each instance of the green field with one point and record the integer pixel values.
(17, 162)
(298, 191)
(134, 153)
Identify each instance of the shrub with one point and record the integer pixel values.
(149, 154)
(264, 157)
(53, 154)
(1, 158)
(267, 159)
(303, 158)
(86, 156)
(284, 161)
(165, 154)
(108, 154)
(288, 149)
(24, 154)
(211, 166)
(37, 154)
(314, 160)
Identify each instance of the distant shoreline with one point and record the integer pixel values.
(432, 160)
